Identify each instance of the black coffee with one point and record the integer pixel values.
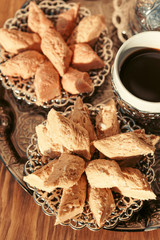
(140, 74)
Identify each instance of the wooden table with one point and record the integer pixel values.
(21, 218)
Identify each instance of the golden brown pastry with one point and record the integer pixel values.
(72, 201)
(56, 50)
(66, 21)
(67, 172)
(4, 55)
(15, 41)
(46, 83)
(76, 82)
(102, 173)
(101, 203)
(80, 114)
(106, 120)
(84, 58)
(65, 132)
(137, 185)
(129, 181)
(46, 146)
(150, 139)
(37, 20)
(37, 178)
(23, 65)
(123, 146)
(88, 30)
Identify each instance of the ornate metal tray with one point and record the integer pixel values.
(24, 88)
(18, 120)
(125, 207)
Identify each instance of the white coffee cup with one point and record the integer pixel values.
(148, 39)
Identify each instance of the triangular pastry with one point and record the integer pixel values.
(38, 178)
(15, 41)
(67, 172)
(23, 65)
(76, 82)
(106, 120)
(88, 30)
(102, 173)
(137, 185)
(56, 50)
(65, 132)
(37, 20)
(46, 83)
(81, 115)
(72, 201)
(101, 203)
(45, 144)
(123, 146)
(66, 21)
(84, 58)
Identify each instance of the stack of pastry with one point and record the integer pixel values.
(73, 140)
(57, 57)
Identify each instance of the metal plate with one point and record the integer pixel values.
(24, 88)
(125, 206)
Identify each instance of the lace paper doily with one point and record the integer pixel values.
(24, 88)
(49, 202)
(124, 18)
